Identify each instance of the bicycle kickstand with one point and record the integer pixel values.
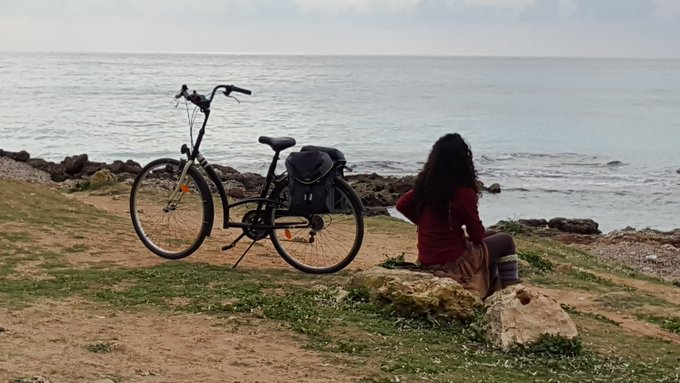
(244, 254)
(231, 245)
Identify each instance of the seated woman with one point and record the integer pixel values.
(444, 199)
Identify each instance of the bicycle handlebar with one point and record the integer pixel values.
(204, 102)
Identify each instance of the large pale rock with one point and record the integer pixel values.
(102, 177)
(441, 297)
(375, 277)
(519, 315)
(418, 293)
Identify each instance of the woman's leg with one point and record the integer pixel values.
(503, 258)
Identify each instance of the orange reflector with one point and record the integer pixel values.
(288, 234)
(185, 188)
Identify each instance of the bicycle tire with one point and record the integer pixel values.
(357, 213)
(171, 167)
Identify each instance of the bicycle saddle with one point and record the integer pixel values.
(277, 143)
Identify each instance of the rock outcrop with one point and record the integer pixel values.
(418, 293)
(576, 226)
(74, 167)
(552, 227)
(102, 177)
(519, 315)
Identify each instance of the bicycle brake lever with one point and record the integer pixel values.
(237, 100)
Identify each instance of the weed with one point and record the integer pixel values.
(391, 262)
(510, 226)
(100, 348)
(667, 323)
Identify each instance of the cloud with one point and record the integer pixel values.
(640, 28)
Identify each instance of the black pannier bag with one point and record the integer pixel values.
(310, 183)
(340, 202)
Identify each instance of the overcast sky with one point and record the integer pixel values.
(585, 28)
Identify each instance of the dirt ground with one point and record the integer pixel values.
(52, 339)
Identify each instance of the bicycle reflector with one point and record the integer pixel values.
(288, 235)
(185, 188)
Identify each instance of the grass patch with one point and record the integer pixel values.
(536, 261)
(387, 225)
(667, 323)
(37, 205)
(598, 317)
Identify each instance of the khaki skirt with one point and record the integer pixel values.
(471, 270)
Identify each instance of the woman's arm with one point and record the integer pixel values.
(467, 202)
(407, 206)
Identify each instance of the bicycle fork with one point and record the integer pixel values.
(181, 188)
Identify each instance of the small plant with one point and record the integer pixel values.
(671, 325)
(537, 261)
(391, 262)
(549, 344)
(360, 294)
(100, 348)
(510, 226)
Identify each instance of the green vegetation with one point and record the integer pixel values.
(553, 345)
(536, 261)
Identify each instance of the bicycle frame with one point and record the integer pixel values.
(194, 155)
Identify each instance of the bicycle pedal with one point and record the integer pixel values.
(228, 247)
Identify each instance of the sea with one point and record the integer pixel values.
(568, 137)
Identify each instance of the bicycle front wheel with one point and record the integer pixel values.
(171, 213)
(321, 243)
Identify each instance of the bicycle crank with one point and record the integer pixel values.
(254, 218)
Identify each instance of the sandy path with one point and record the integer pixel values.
(52, 339)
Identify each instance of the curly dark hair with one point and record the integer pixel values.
(449, 165)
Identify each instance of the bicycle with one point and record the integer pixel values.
(172, 207)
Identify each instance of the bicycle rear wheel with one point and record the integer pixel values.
(322, 243)
(171, 215)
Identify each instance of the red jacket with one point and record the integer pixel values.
(440, 234)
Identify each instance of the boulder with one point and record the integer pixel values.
(128, 166)
(73, 165)
(533, 222)
(576, 226)
(225, 171)
(234, 189)
(375, 277)
(21, 156)
(102, 177)
(418, 293)
(494, 188)
(252, 181)
(439, 297)
(57, 172)
(92, 167)
(518, 315)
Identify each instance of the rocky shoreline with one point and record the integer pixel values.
(650, 251)
(376, 192)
